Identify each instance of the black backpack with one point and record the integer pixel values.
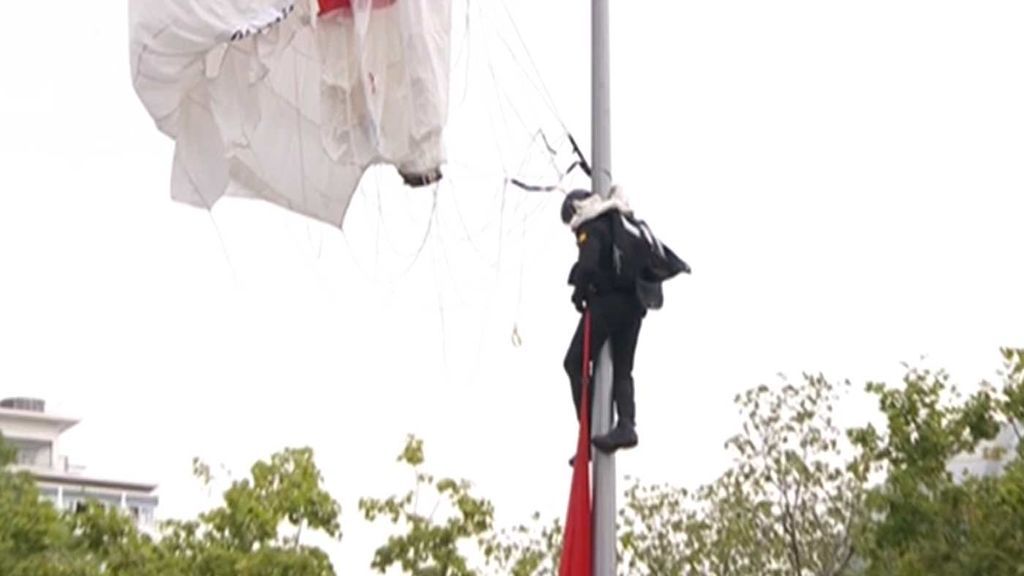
(641, 261)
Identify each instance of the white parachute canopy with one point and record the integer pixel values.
(290, 101)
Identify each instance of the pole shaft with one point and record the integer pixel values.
(604, 543)
(600, 120)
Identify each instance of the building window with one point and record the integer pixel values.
(36, 453)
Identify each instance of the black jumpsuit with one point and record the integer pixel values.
(615, 311)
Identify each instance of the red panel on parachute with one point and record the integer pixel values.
(332, 5)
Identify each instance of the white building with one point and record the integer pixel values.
(35, 435)
(989, 458)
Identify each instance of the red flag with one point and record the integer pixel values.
(576, 541)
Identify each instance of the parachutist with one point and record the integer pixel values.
(617, 278)
(616, 311)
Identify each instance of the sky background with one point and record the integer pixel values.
(845, 179)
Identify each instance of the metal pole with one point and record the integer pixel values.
(604, 540)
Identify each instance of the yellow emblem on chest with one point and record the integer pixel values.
(581, 238)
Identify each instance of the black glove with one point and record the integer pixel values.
(579, 300)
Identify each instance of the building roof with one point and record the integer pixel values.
(62, 423)
(56, 477)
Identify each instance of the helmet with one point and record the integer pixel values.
(569, 204)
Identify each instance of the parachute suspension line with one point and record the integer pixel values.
(503, 105)
(580, 162)
(503, 96)
(544, 94)
(216, 227)
(382, 230)
(517, 340)
(521, 121)
(355, 259)
(315, 254)
(465, 227)
(537, 134)
(501, 230)
(446, 275)
(535, 212)
(223, 245)
(320, 241)
(500, 93)
(440, 300)
(426, 234)
(504, 168)
(552, 151)
(439, 239)
(501, 110)
(526, 158)
(544, 137)
(359, 264)
(516, 336)
(544, 89)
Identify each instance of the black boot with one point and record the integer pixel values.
(622, 436)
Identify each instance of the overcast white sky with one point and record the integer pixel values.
(845, 179)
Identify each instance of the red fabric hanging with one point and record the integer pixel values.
(576, 541)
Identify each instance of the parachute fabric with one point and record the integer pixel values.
(290, 101)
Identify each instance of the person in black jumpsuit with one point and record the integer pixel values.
(616, 314)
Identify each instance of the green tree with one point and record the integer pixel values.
(926, 520)
(430, 545)
(801, 498)
(244, 536)
(33, 539)
(804, 497)
(791, 503)
(240, 538)
(527, 549)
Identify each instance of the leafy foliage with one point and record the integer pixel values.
(806, 498)
(526, 550)
(802, 497)
(430, 546)
(928, 521)
(790, 504)
(239, 538)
